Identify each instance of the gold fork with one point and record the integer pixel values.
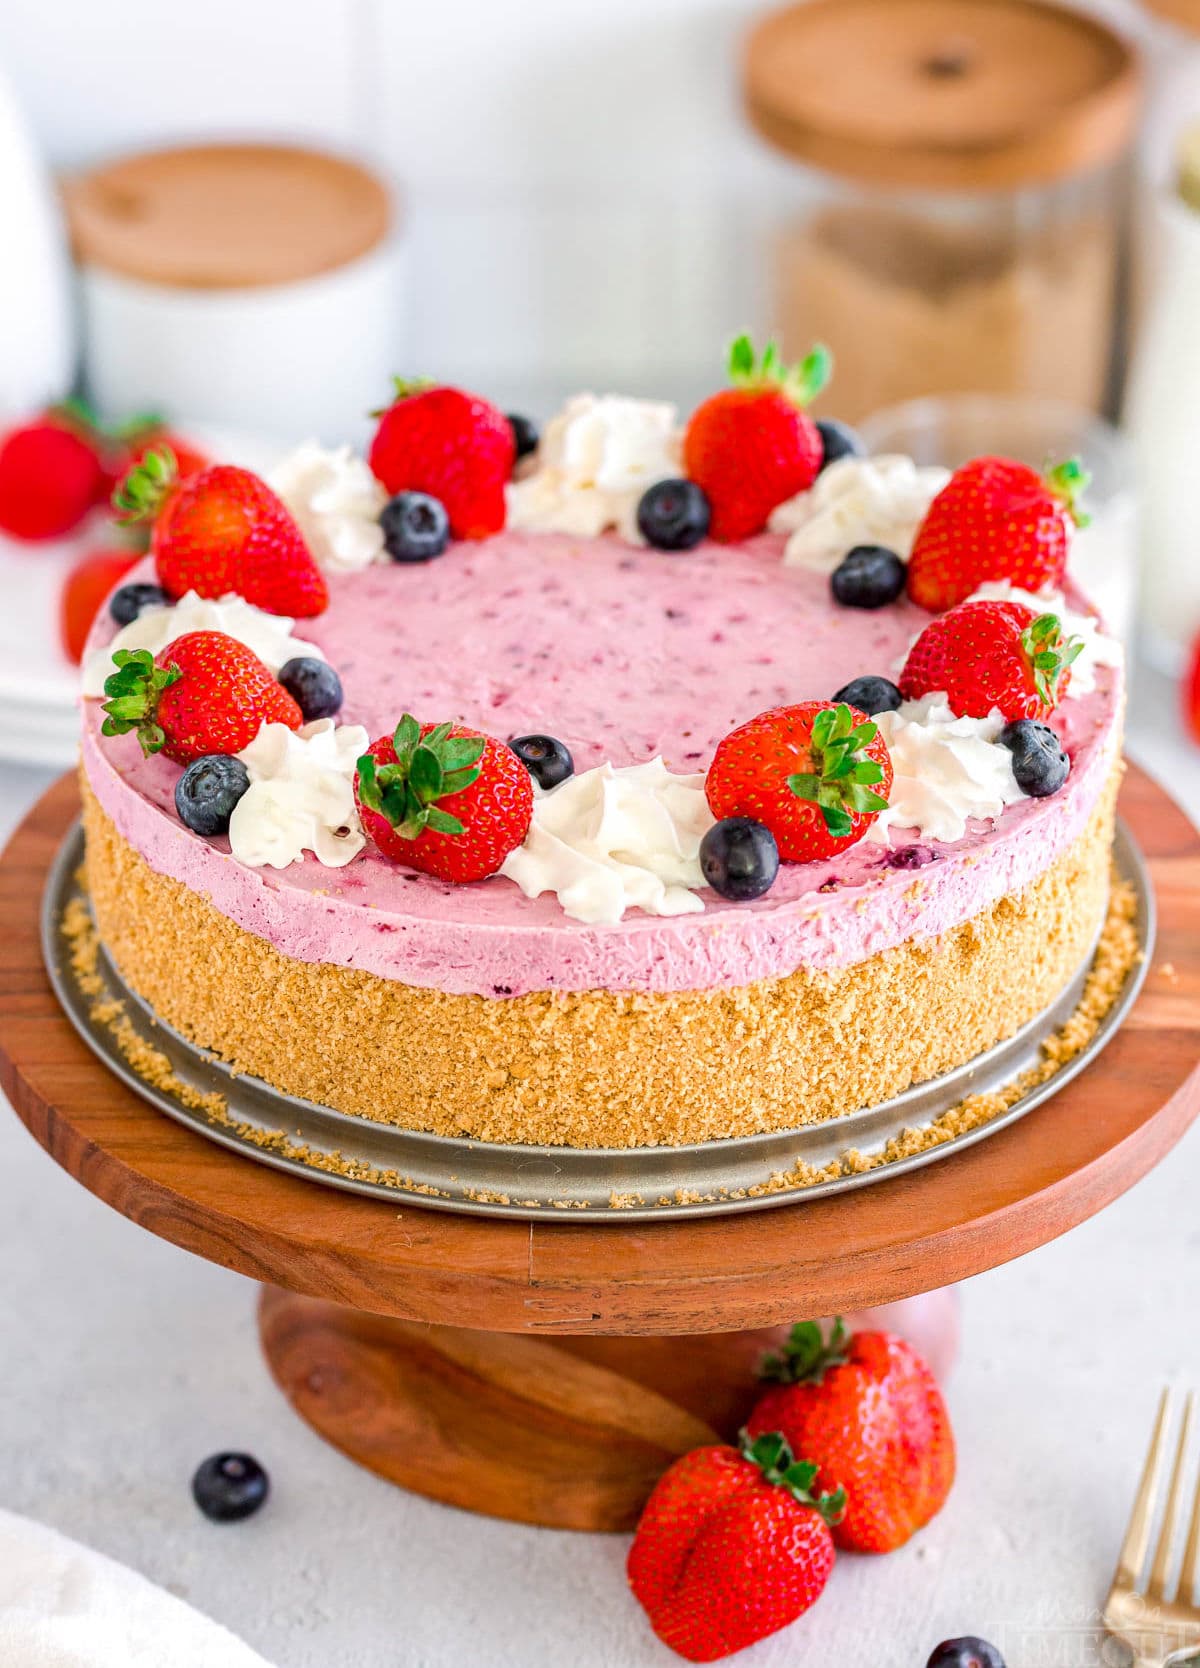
(1159, 1619)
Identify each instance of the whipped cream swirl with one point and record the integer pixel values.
(880, 500)
(1099, 649)
(596, 459)
(301, 796)
(269, 636)
(335, 500)
(616, 838)
(945, 770)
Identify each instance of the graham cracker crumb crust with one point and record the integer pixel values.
(1058, 913)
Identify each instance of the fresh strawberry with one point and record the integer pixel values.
(144, 434)
(867, 1410)
(816, 774)
(1191, 692)
(444, 799)
(51, 475)
(452, 445)
(84, 590)
(732, 1546)
(222, 530)
(203, 693)
(753, 446)
(986, 655)
(996, 519)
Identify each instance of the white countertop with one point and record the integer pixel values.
(124, 1361)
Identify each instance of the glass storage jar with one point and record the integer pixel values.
(954, 219)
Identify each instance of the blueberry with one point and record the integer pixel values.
(673, 515)
(548, 761)
(415, 526)
(739, 858)
(313, 685)
(968, 1652)
(839, 441)
(868, 577)
(208, 790)
(870, 694)
(1039, 763)
(525, 434)
(229, 1487)
(131, 600)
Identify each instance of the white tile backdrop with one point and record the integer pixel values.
(583, 201)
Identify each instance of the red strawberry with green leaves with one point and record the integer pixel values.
(753, 446)
(52, 474)
(992, 655)
(452, 445)
(816, 774)
(222, 530)
(444, 799)
(994, 520)
(732, 1546)
(85, 589)
(867, 1410)
(203, 693)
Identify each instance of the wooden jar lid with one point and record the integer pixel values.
(1184, 12)
(942, 94)
(226, 216)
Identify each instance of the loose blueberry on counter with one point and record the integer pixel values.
(525, 434)
(313, 685)
(208, 790)
(870, 694)
(839, 441)
(547, 760)
(739, 858)
(229, 1487)
(1039, 763)
(131, 600)
(869, 576)
(674, 515)
(967, 1652)
(415, 526)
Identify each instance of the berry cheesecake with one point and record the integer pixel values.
(617, 785)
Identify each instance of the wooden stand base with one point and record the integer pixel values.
(547, 1372)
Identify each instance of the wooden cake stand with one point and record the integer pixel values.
(548, 1372)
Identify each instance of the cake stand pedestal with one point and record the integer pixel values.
(547, 1372)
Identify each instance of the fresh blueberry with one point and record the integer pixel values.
(674, 515)
(548, 761)
(910, 857)
(839, 441)
(208, 790)
(313, 685)
(739, 858)
(868, 577)
(131, 600)
(1039, 763)
(965, 1653)
(229, 1487)
(870, 694)
(415, 526)
(525, 434)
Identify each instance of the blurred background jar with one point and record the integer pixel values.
(951, 430)
(955, 217)
(254, 286)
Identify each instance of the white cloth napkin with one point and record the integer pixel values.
(64, 1606)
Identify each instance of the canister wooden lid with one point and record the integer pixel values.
(1184, 12)
(942, 94)
(226, 216)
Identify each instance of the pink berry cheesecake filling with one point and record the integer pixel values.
(622, 654)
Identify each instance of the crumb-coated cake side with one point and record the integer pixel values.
(632, 785)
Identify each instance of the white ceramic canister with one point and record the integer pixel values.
(259, 287)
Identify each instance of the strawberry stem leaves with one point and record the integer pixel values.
(134, 690)
(801, 383)
(807, 1355)
(772, 1453)
(428, 768)
(1068, 482)
(844, 777)
(1049, 654)
(140, 496)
